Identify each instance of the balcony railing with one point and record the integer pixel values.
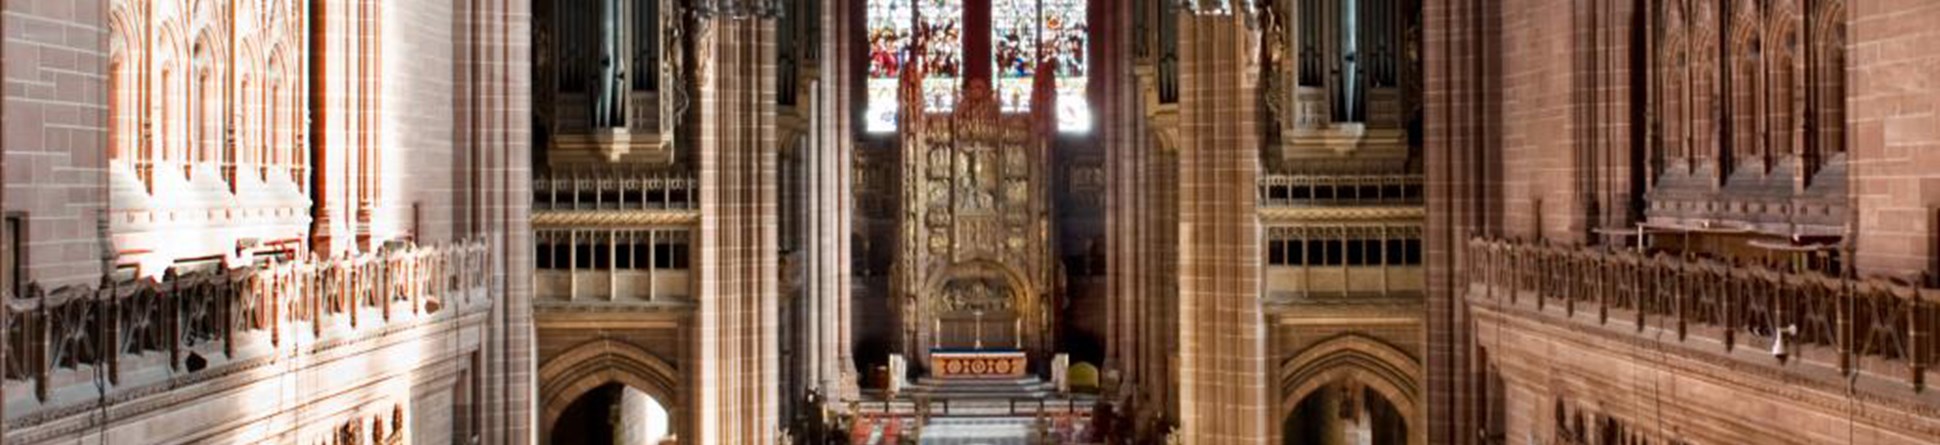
(1879, 326)
(196, 318)
(616, 190)
(1326, 190)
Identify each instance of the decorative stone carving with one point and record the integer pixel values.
(197, 318)
(1889, 318)
(975, 219)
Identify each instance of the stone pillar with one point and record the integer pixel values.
(327, 141)
(832, 167)
(1222, 340)
(738, 378)
(1124, 218)
(1459, 48)
(495, 96)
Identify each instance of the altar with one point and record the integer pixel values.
(978, 363)
(975, 276)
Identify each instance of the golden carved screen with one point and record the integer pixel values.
(976, 206)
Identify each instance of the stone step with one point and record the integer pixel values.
(986, 407)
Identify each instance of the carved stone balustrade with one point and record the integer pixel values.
(616, 190)
(1285, 190)
(1872, 325)
(203, 323)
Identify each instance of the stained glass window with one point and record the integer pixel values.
(891, 25)
(1066, 35)
(1013, 45)
(1021, 31)
(894, 26)
(942, 22)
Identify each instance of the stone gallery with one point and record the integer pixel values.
(976, 222)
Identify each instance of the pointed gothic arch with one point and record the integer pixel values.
(1377, 365)
(595, 363)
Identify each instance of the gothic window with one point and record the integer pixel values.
(1014, 46)
(940, 23)
(891, 23)
(1024, 32)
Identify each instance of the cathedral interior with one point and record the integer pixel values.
(1202, 222)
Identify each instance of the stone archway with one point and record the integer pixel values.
(1361, 361)
(593, 364)
(613, 414)
(1025, 297)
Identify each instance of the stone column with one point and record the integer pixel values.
(738, 377)
(1222, 378)
(496, 95)
(326, 137)
(1123, 217)
(1463, 186)
(833, 201)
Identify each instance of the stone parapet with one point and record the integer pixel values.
(1876, 326)
(77, 349)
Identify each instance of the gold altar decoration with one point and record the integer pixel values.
(975, 264)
